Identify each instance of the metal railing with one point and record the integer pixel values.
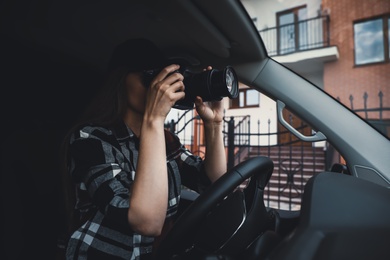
(378, 117)
(294, 163)
(304, 35)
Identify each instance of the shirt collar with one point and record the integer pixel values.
(122, 132)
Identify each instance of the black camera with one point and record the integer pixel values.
(210, 85)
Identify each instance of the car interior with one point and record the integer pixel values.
(54, 55)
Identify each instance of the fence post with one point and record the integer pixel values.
(172, 126)
(231, 143)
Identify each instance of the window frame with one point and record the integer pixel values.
(295, 12)
(235, 103)
(385, 18)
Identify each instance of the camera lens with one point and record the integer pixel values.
(231, 82)
(223, 84)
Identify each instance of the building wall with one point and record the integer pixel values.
(341, 77)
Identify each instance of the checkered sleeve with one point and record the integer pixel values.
(98, 168)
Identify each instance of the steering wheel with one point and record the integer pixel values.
(178, 239)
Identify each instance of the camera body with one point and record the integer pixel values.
(210, 85)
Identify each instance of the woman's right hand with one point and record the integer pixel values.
(164, 91)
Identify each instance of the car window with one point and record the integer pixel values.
(343, 52)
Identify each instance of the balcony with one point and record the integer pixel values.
(303, 46)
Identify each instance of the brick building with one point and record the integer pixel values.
(354, 75)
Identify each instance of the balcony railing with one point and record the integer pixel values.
(304, 35)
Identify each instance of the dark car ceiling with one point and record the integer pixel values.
(214, 32)
(62, 47)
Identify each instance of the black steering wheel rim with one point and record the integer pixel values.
(177, 239)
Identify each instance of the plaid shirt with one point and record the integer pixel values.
(103, 165)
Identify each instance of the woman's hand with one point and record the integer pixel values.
(210, 112)
(164, 91)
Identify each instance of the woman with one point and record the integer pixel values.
(126, 168)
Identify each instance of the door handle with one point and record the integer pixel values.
(318, 136)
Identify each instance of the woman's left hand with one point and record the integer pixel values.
(210, 112)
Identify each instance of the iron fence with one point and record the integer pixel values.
(294, 161)
(378, 117)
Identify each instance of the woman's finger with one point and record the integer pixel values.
(163, 74)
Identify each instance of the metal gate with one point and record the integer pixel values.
(294, 161)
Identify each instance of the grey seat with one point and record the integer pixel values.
(328, 228)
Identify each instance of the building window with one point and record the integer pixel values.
(372, 40)
(292, 34)
(246, 98)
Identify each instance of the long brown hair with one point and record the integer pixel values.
(106, 108)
